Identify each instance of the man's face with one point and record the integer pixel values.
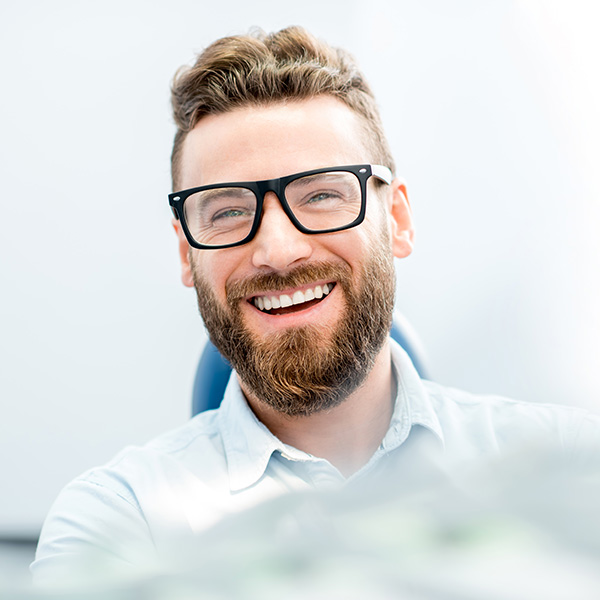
(308, 356)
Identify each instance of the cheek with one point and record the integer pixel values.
(216, 268)
(380, 223)
(373, 231)
(353, 248)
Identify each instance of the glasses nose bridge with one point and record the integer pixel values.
(276, 186)
(270, 185)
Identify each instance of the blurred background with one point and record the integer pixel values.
(492, 112)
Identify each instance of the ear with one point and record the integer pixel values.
(184, 255)
(403, 231)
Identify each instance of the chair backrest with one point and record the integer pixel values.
(213, 370)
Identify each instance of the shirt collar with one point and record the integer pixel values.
(413, 405)
(249, 445)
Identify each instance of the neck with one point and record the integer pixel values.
(347, 435)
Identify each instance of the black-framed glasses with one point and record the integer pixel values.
(223, 215)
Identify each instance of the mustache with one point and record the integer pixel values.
(301, 275)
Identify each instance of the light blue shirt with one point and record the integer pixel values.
(225, 461)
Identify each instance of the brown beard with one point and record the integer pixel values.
(307, 369)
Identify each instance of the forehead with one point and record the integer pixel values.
(264, 142)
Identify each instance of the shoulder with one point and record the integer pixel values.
(168, 457)
(500, 422)
(118, 510)
(448, 399)
(199, 436)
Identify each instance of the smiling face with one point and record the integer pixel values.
(300, 317)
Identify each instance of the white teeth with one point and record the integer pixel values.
(285, 301)
(298, 297)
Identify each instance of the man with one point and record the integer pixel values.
(288, 219)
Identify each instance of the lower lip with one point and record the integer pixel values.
(291, 319)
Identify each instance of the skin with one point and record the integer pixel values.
(254, 143)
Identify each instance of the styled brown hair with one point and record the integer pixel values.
(259, 69)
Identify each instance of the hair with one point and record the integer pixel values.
(259, 69)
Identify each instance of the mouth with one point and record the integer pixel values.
(282, 304)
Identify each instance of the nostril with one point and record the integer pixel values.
(278, 248)
(280, 255)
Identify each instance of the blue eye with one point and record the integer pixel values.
(230, 213)
(320, 197)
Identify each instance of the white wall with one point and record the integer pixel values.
(491, 109)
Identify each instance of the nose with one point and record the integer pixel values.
(278, 245)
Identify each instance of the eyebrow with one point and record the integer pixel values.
(216, 193)
(329, 176)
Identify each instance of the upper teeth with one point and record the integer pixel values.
(284, 300)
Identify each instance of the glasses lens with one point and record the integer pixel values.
(220, 216)
(325, 200)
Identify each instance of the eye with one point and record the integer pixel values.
(321, 196)
(230, 213)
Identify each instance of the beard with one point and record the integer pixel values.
(304, 370)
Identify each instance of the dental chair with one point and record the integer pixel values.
(213, 370)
